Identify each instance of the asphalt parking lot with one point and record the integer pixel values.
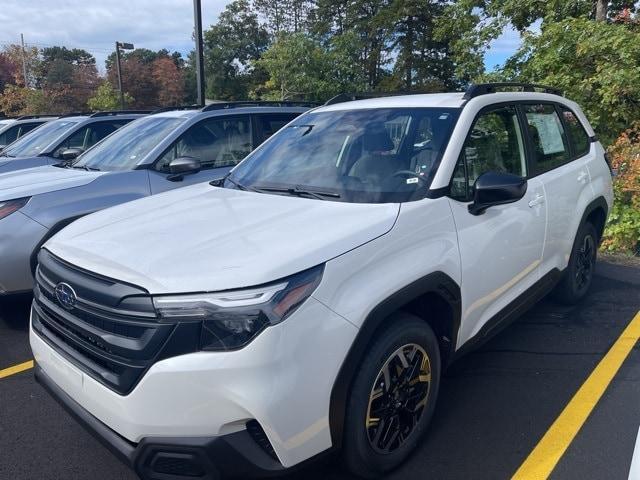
(496, 404)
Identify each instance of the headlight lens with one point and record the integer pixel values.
(231, 319)
(10, 206)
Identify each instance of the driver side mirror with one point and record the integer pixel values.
(494, 188)
(181, 166)
(71, 153)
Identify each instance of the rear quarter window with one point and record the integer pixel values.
(577, 133)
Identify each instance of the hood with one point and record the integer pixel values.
(35, 181)
(203, 238)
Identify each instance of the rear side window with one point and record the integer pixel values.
(494, 144)
(27, 127)
(271, 123)
(579, 137)
(10, 135)
(550, 146)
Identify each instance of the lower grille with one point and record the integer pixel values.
(110, 330)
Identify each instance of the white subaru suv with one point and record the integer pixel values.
(311, 299)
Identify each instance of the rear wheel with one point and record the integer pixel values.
(578, 276)
(393, 398)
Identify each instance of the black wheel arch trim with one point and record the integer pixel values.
(437, 283)
(599, 202)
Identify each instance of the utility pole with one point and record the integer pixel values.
(197, 18)
(24, 61)
(124, 46)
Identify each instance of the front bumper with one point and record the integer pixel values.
(20, 236)
(282, 381)
(234, 455)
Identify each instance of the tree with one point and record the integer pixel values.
(232, 47)
(301, 68)
(597, 64)
(169, 80)
(106, 98)
(9, 71)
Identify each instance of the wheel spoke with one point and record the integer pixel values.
(398, 398)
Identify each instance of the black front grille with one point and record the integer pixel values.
(112, 332)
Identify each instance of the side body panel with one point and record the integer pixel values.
(500, 254)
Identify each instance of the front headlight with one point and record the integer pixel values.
(10, 206)
(231, 319)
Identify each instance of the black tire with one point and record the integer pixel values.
(578, 276)
(415, 338)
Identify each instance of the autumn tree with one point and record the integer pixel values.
(169, 81)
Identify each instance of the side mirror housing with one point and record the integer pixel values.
(493, 188)
(183, 166)
(71, 153)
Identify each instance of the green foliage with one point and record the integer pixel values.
(232, 46)
(623, 228)
(107, 98)
(301, 68)
(597, 64)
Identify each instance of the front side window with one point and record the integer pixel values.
(215, 142)
(579, 137)
(550, 146)
(27, 127)
(131, 144)
(364, 156)
(36, 142)
(494, 144)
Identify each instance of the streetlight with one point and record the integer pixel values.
(123, 46)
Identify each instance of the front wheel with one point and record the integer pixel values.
(578, 276)
(393, 397)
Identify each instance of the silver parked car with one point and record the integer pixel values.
(154, 154)
(11, 129)
(63, 139)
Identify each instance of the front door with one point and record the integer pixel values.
(500, 249)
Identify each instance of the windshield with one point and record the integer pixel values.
(36, 141)
(365, 156)
(123, 149)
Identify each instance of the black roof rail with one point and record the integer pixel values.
(109, 113)
(75, 114)
(257, 103)
(31, 117)
(478, 89)
(179, 107)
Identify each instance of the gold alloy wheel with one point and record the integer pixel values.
(398, 398)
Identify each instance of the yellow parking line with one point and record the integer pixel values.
(7, 372)
(544, 457)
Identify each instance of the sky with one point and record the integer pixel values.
(95, 25)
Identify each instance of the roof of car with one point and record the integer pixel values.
(188, 113)
(437, 100)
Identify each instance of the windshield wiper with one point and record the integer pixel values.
(297, 190)
(84, 167)
(239, 185)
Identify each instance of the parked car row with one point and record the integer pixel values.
(303, 296)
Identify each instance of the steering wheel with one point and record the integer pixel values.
(409, 173)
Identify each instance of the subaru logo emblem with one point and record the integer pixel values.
(66, 295)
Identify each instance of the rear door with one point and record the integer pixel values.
(501, 249)
(560, 162)
(219, 143)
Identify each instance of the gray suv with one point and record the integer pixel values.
(63, 139)
(11, 129)
(154, 154)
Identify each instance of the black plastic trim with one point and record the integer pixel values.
(511, 312)
(436, 282)
(233, 455)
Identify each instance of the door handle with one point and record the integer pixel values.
(538, 200)
(583, 177)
